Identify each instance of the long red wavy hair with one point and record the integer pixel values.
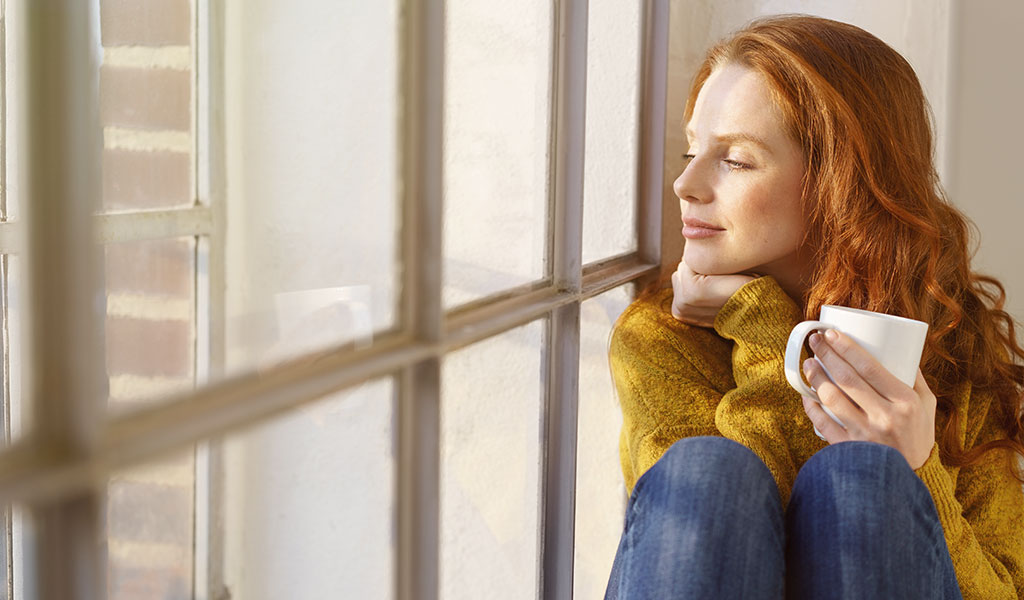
(886, 237)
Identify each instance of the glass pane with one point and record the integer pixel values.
(18, 546)
(3, 124)
(146, 104)
(600, 490)
(490, 467)
(13, 71)
(150, 525)
(15, 317)
(309, 501)
(613, 97)
(151, 322)
(5, 552)
(312, 249)
(496, 146)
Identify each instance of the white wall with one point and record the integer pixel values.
(986, 130)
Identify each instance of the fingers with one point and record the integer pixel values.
(721, 287)
(826, 425)
(923, 391)
(846, 376)
(832, 396)
(856, 371)
(697, 298)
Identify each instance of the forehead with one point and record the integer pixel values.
(736, 99)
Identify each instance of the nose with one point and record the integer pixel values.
(692, 183)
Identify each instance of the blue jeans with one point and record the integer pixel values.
(706, 521)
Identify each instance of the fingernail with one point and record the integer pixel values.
(832, 335)
(807, 365)
(815, 340)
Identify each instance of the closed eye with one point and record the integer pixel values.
(736, 165)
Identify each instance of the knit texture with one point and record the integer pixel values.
(676, 380)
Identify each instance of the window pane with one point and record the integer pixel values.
(490, 467)
(18, 546)
(3, 123)
(5, 552)
(146, 103)
(311, 154)
(13, 71)
(150, 530)
(15, 319)
(613, 96)
(310, 501)
(150, 324)
(600, 490)
(496, 146)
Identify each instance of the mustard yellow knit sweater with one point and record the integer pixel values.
(676, 381)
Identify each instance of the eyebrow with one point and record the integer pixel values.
(732, 138)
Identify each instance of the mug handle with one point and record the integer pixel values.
(792, 363)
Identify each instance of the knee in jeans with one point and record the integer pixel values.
(695, 457)
(854, 463)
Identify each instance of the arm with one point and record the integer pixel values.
(667, 377)
(763, 412)
(982, 516)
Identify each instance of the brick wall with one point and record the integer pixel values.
(146, 101)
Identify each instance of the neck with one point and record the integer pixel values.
(791, 274)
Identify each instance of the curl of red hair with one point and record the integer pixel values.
(885, 235)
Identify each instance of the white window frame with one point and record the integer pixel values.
(59, 471)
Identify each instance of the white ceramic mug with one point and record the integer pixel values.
(895, 342)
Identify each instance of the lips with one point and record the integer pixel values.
(695, 229)
(692, 222)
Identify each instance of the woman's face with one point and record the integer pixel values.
(740, 190)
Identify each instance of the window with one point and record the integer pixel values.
(358, 256)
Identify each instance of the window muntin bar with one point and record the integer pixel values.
(652, 244)
(561, 380)
(418, 401)
(63, 187)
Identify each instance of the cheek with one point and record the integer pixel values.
(774, 218)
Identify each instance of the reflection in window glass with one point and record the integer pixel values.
(150, 530)
(309, 501)
(150, 322)
(600, 490)
(312, 253)
(496, 123)
(613, 96)
(150, 352)
(490, 467)
(146, 104)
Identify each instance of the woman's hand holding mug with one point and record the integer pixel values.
(697, 298)
(866, 383)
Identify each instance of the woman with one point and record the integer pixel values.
(809, 181)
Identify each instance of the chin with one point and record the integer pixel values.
(710, 265)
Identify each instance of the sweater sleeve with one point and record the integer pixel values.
(763, 412)
(663, 372)
(982, 516)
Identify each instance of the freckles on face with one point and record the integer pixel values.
(744, 175)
